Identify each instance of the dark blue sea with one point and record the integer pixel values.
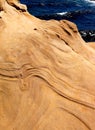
(81, 12)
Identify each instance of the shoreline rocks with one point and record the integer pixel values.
(88, 35)
(47, 74)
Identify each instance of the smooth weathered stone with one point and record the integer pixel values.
(47, 74)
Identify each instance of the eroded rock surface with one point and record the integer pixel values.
(47, 74)
(14, 3)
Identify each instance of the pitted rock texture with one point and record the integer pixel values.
(47, 74)
(14, 3)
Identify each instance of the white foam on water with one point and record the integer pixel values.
(92, 2)
(62, 13)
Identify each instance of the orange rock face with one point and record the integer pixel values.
(47, 74)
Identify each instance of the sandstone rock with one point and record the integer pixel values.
(47, 74)
(14, 3)
(92, 44)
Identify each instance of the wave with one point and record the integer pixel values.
(92, 2)
(62, 15)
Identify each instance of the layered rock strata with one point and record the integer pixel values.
(47, 74)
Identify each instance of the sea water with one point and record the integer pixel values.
(81, 12)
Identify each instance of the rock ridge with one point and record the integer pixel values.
(47, 73)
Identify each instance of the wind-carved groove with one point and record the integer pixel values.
(65, 95)
(77, 117)
(15, 3)
(58, 35)
(10, 73)
(48, 76)
(66, 31)
(64, 41)
(20, 8)
(71, 26)
(13, 72)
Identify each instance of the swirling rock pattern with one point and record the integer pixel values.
(47, 74)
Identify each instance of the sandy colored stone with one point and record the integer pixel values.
(92, 44)
(14, 3)
(47, 74)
